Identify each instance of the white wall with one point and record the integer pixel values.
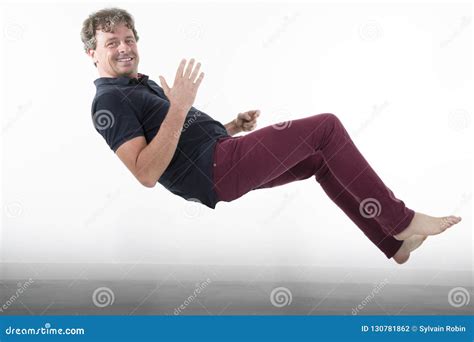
(399, 76)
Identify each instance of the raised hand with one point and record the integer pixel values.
(186, 83)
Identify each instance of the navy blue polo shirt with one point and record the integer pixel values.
(124, 108)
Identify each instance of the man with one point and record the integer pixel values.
(161, 137)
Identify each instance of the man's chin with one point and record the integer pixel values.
(128, 73)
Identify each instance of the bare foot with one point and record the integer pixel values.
(408, 246)
(427, 225)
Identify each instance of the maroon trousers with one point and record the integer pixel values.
(319, 146)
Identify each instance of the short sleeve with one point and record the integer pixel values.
(115, 118)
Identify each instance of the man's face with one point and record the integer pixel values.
(116, 53)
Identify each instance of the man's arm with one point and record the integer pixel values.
(232, 128)
(149, 162)
(153, 160)
(244, 122)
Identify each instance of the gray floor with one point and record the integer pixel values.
(154, 290)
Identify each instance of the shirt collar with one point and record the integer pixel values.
(122, 80)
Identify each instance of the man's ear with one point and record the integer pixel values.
(91, 54)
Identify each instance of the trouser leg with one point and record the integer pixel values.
(317, 167)
(247, 162)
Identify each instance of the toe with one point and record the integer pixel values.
(455, 219)
(448, 221)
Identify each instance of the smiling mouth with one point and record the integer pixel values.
(125, 60)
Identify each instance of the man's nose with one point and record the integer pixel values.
(123, 47)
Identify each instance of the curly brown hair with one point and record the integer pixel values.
(104, 20)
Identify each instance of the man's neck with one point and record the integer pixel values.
(133, 75)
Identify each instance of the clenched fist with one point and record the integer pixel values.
(247, 121)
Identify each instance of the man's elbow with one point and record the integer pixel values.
(147, 182)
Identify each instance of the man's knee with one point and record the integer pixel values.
(331, 118)
(330, 123)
